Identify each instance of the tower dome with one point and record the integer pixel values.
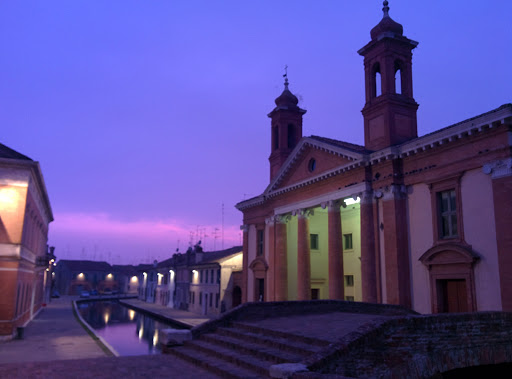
(286, 99)
(387, 26)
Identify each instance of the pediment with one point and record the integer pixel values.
(311, 159)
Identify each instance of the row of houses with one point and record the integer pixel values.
(197, 281)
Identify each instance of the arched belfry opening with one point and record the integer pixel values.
(398, 77)
(376, 81)
(291, 136)
(388, 119)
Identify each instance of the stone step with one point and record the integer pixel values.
(277, 333)
(213, 364)
(281, 343)
(259, 350)
(248, 361)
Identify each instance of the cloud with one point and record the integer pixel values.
(74, 233)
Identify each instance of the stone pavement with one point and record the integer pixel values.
(54, 334)
(185, 318)
(327, 326)
(57, 346)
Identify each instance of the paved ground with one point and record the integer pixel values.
(56, 346)
(182, 317)
(329, 326)
(54, 334)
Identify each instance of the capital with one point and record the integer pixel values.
(303, 212)
(498, 169)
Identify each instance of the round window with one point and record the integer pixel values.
(312, 165)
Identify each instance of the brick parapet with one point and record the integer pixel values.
(419, 346)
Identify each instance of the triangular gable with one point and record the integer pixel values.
(327, 158)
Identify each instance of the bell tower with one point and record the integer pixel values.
(390, 109)
(286, 128)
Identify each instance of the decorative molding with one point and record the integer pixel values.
(303, 212)
(498, 169)
(244, 228)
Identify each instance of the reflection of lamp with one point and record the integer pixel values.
(131, 314)
(106, 317)
(155, 338)
(141, 331)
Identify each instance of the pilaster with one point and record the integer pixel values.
(501, 174)
(396, 250)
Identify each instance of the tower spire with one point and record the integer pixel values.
(385, 9)
(285, 76)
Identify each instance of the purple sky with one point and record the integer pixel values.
(147, 116)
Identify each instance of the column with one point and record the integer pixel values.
(303, 259)
(280, 260)
(501, 173)
(335, 251)
(245, 261)
(368, 267)
(271, 277)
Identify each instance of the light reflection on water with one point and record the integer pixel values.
(129, 332)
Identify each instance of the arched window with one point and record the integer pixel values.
(275, 138)
(398, 77)
(291, 136)
(376, 82)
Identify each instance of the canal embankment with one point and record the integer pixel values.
(177, 316)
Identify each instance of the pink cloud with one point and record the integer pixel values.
(74, 233)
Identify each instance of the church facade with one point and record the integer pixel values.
(423, 222)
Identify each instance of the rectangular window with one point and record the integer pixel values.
(349, 280)
(200, 298)
(211, 277)
(206, 276)
(313, 241)
(447, 214)
(218, 275)
(193, 297)
(347, 242)
(315, 293)
(349, 298)
(259, 247)
(216, 300)
(211, 299)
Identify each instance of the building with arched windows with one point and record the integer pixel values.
(420, 221)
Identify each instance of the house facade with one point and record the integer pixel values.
(25, 260)
(418, 221)
(197, 281)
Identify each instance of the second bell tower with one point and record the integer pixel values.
(390, 109)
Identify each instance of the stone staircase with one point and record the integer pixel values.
(244, 350)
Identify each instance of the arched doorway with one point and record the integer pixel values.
(452, 283)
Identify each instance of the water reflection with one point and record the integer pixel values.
(129, 332)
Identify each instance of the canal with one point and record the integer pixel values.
(128, 331)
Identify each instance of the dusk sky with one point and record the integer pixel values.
(148, 116)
